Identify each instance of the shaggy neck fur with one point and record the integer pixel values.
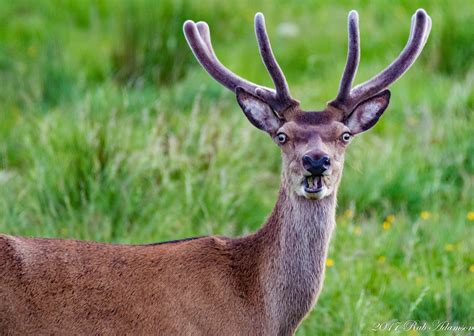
(295, 241)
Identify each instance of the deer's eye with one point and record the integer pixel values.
(281, 138)
(346, 137)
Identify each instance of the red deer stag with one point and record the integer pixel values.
(261, 284)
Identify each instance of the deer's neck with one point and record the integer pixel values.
(294, 243)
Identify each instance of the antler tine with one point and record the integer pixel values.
(198, 38)
(203, 29)
(265, 48)
(353, 57)
(420, 29)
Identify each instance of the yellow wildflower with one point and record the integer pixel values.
(449, 247)
(349, 213)
(32, 51)
(425, 215)
(470, 216)
(381, 260)
(471, 268)
(357, 231)
(390, 218)
(386, 225)
(418, 280)
(329, 262)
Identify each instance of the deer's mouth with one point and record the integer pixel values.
(313, 184)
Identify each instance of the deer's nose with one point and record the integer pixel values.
(316, 165)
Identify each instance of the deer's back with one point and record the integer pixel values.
(81, 287)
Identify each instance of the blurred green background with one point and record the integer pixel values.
(110, 131)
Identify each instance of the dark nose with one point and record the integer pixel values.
(316, 166)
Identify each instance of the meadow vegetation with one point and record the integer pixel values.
(110, 131)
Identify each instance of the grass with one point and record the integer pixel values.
(111, 132)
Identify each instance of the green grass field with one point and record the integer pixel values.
(110, 131)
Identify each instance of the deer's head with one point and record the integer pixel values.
(312, 143)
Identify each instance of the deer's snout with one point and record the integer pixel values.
(316, 164)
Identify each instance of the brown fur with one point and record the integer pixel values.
(203, 286)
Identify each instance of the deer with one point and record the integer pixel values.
(264, 283)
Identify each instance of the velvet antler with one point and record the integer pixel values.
(198, 37)
(348, 98)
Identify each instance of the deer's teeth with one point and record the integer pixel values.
(320, 182)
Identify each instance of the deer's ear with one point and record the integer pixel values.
(259, 113)
(367, 113)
